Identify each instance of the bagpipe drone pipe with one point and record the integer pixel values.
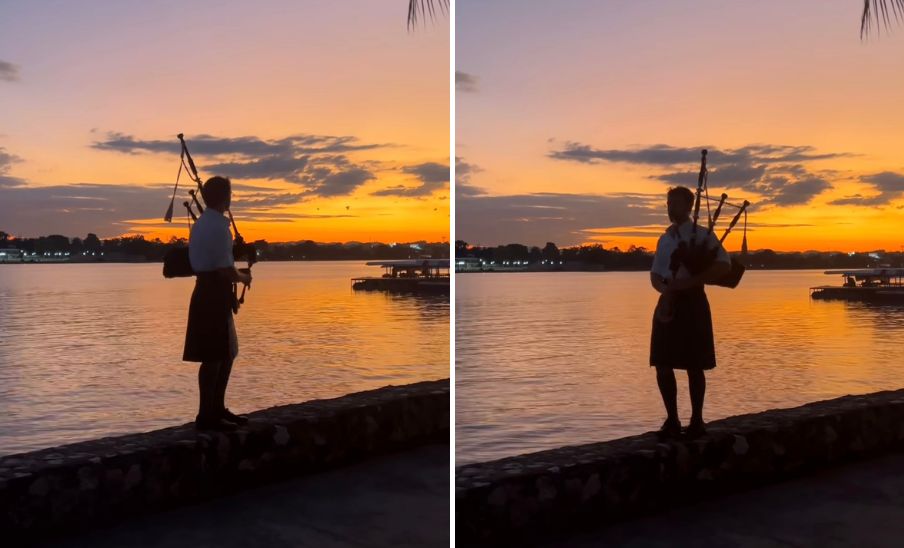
(176, 263)
(697, 255)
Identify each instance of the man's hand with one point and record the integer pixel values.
(237, 275)
(245, 276)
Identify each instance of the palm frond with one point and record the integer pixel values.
(880, 11)
(427, 9)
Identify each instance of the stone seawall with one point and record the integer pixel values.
(545, 494)
(100, 481)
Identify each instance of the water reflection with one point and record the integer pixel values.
(91, 350)
(550, 359)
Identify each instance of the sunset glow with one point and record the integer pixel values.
(332, 119)
(575, 135)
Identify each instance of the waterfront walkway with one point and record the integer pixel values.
(858, 504)
(400, 499)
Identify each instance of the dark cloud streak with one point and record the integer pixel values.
(888, 184)
(433, 176)
(465, 82)
(9, 72)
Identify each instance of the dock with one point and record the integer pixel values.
(429, 276)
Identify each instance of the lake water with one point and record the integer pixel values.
(551, 359)
(89, 350)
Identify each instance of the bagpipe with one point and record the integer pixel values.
(176, 263)
(698, 256)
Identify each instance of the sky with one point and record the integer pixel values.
(331, 118)
(574, 118)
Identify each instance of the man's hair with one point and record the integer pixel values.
(682, 192)
(216, 191)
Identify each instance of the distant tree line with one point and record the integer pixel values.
(155, 249)
(640, 258)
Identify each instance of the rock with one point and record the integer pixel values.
(281, 437)
(39, 488)
(498, 497)
(546, 489)
(591, 487)
(133, 477)
(740, 446)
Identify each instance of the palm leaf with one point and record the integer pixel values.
(426, 9)
(881, 12)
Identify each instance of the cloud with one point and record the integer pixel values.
(534, 219)
(8, 72)
(317, 163)
(341, 183)
(465, 82)
(797, 192)
(773, 171)
(287, 167)
(77, 209)
(463, 173)
(888, 184)
(433, 176)
(666, 155)
(6, 160)
(243, 146)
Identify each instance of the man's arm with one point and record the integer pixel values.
(658, 282)
(231, 273)
(235, 275)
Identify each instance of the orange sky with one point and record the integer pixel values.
(263, 73)
(617, 79)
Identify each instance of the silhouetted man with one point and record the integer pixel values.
(682, 336)
(210, 337)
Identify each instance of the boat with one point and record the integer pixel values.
(407, 276)
(468, 264)
(868, 284)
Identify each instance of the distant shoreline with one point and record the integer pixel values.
(589, 269)
(114, 261)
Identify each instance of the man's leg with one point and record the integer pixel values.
(668, 388)
(207, 388)
(696, 380)
(221, 383)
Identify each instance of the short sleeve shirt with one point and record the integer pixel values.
(210, 242)
(669, 242)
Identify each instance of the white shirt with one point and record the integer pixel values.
(669, 241)
(210, 242)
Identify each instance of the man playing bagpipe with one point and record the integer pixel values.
(210, 337)
(687, 257)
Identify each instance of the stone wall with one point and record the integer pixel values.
(85, 484)
(512, 500)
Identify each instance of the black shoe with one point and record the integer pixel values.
(232, 417)
(219, 424)
(671, 429)
(695, 430)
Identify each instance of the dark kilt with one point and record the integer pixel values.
(686, 342)
(207, 337)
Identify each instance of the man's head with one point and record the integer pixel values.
(680, 202)
(217, 193)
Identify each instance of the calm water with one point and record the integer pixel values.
(551, 359)
(95, 350)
